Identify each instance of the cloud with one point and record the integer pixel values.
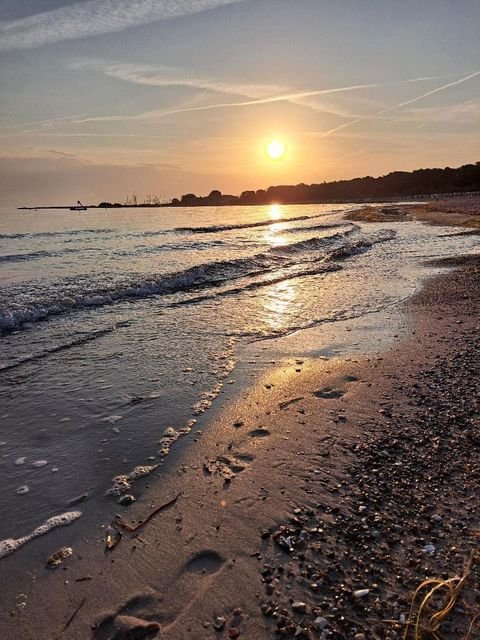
(95, 17)
(163, 76)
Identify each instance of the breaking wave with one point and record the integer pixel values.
(20, 305)
(247, 225)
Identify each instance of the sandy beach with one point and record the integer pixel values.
(336, 487)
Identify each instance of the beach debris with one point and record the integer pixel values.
(126, 500)
(131, 628)
(78, 499)
(59, 556)
(429, 548)
(39, 463)
(23, 490)
(119, 522)
(20, 461)
(287, 403)
(112, 538)
(10, 545)
(74, 614)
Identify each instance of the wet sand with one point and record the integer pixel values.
(368, 463)
(459, 211)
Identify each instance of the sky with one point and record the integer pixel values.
(103, 98)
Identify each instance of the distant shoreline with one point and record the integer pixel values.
(420, 184)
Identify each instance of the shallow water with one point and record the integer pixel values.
(119, 324)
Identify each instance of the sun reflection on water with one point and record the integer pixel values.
(276, 212)
(278, 304)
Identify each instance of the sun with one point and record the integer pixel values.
(276, 149)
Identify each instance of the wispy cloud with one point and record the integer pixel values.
(95, 17)
(163, 76)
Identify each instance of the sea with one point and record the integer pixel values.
(123, 330)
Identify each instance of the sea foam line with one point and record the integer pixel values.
(10, 545)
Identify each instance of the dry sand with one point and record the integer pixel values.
(366, 462)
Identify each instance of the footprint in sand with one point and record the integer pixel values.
(259, 433)
(228, 466)
(129, 621)
(205, 562)
(327, 393)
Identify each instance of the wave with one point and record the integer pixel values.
(318, 227)
(247, 225)
(19, 305)
(51, 234)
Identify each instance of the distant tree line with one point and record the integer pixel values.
(399, 184)
(393, 185)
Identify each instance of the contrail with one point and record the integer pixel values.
(402, 104)
(429, 93)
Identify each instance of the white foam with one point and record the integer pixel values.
(121, 484)
(10, 545)
(23, 490)
(39, 463)
(112, 419)
(20, 461)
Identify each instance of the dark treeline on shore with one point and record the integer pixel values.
(393, 185)
(398, 184)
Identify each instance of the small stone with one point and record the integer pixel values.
(359, 636)
(429, 548)
(125, 500)
(361, 593)
(436, 518)
(300, 607)
(320, 623)
(219, 623)
(233, 632)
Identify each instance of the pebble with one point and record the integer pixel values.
(219, 623)
(301, 607)
(429, 548)
(320, 623)
(361, 593)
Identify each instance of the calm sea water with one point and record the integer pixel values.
(118, 325)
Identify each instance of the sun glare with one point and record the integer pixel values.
(275, 149)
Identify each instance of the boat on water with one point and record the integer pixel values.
(78, 207)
